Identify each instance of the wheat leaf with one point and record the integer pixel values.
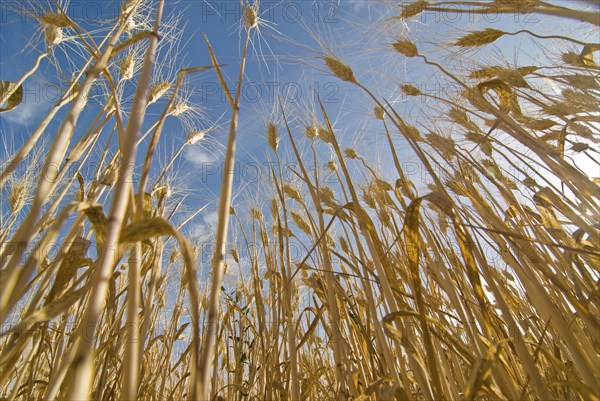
(14, 94)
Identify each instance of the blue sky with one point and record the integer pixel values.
(285, 59)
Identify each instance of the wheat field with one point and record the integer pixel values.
(357, 279)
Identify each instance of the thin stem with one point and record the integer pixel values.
(82, 369)
(208, 349)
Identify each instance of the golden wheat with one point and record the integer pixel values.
(465, 261)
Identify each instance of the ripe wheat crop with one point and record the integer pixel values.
(360, 282)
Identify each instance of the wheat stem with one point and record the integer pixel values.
(201, 389)
(82, 369)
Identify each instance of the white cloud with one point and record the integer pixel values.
(198, 156)
(204, 231)
(27, 113)
(211, 218)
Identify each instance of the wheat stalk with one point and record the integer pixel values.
(431, 269)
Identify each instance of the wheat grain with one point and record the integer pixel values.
(350, 153)
(157, 91)
(256, 214)
(443, 144)
(379, 113)
(272, 136)
(17, 197)
(301, 222)
(178, 108)
(57, 19)
(340, 70)
(325, 135)
(53, 34)
(479, 38)
(413, 9)
(311, 132)
(405, 47)
(127, 67)
(411, 90)
(292, 192)
(195, 137)
(250, 17)
(327, 196)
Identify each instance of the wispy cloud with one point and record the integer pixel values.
(203, 233)
(28, 112)
(198, 156)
